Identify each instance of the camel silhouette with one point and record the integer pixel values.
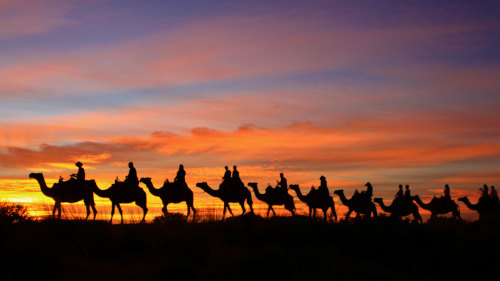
(439, 206)
(68, 191)
(486, 207)
(274, 197)
(231, 194)
(316, 200)
(171, 193)
(361, 204)
(400, 208)
(122, 192)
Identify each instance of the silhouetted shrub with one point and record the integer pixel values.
(13, 213)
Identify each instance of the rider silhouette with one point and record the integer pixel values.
(399, 194)
(446, 192)
(282, 184)
(181, 176)
(226, 179)
(493, 193)
(132, 175)
(236, 178)
(80, 175)
(407, 192)
(323, 188)
(484, 191)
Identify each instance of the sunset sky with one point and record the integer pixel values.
(391, 92)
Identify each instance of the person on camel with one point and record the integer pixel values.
(80, 175)
(369, 191)
(236, 178)
(323, 188)
(407, 195)
(493, 193)
(484, 191)
(180, 178)
(282, 184)
(226, 179)
(446, 192)
(132, 178)
(399, 194)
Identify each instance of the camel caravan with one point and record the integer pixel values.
(233, 190)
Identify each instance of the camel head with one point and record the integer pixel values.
(145, 180)
(378, 200)
(338, 191)
(294, 186)
(202, 184)
(463, 199)
(36, 175)
(252, 184)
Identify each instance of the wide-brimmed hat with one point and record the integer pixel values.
(79, 164)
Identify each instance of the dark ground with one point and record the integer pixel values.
(250, 248)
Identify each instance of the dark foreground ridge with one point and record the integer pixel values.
(250, 248)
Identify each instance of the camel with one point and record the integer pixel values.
(234, 194)
(274, 197)
(400, 208)
(66, 192)
(485, 207)
(122, 192)
(170, 193)
(439, 206)
(315, 200)
(358, 203)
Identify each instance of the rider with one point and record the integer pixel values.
(446, 192)
(399, 194)
(226, 179)
(236, 178)
(407, 192)
(369, 190)
(181, 177)
(282, 183)
(484, 191)
(80, 175)
(493, 193)
(132, 175)
(323, 188)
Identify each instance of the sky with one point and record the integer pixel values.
(389, 92)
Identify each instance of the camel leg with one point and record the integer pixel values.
(120, 210)
(348, 214)
(224, 212)
(94, 210)
(189, 210)
(229, 209)
(324, 214)
(310, 211)
(164, 210)
(194, 211)
(112, 212)
(144, 209)
(272, 209)
(268, 210)
(334, 214)
(59, 209)
(88, 211)
(417, 217)
(54, 211)
(243, 210)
